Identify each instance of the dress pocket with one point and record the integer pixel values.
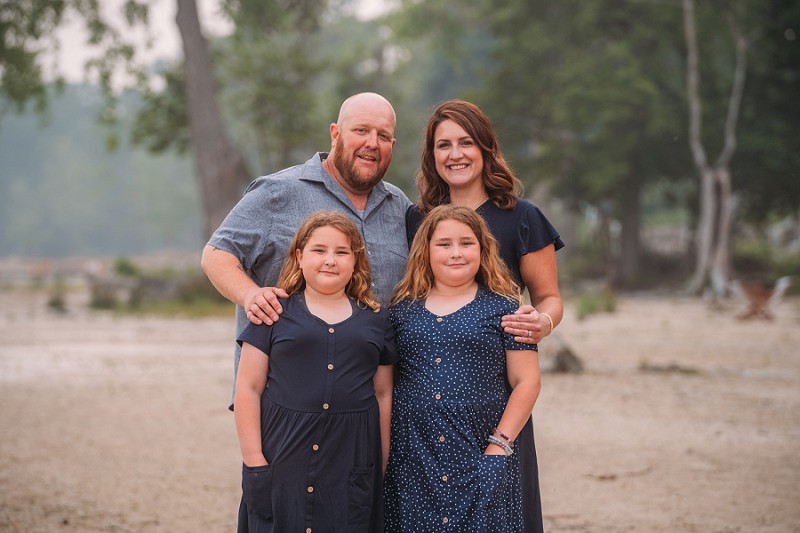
(257, 489)
(491, 479)
(360, 495)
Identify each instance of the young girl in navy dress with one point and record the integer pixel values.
(452, 465)
(314, 392)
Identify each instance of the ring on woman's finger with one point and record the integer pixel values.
(530, 333)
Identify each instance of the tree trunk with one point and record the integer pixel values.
(627, 265)
(219, 167)
(704, 236)
(720, 261)
(716, 196)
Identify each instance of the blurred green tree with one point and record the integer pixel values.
(585, 96)
(219, 168)
(767, 159)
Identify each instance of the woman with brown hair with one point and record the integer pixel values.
(462, 164)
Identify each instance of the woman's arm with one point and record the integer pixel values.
(250, 382)
(525, 380)
(384, 382)
(540, 276)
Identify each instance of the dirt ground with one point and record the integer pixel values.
(685, 419)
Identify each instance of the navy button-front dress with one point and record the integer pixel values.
(320, 425)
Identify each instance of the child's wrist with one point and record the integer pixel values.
(255, 460)
(494, 449)
(499, 444)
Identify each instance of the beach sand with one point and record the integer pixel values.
(685, 419)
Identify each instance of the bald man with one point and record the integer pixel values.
(244, 256)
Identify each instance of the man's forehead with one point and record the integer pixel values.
(370, 118)
(367, 110)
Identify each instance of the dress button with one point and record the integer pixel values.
(444, 478)
(438, 360)
(330, 367)
(441, 438)
(315, 447)
(445, 520)
(330, 330)
(325, 405)
(439, 319)
(310, 489)
(438, 396)
(308, 530)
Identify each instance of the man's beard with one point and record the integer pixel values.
(352, 177)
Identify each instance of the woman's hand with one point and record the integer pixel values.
(526, 324)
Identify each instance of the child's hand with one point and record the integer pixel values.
(255, 460)
(494, 449)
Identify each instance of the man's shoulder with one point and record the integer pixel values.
(397, 192)
(394, 189)
(286, 178)
(290, 177)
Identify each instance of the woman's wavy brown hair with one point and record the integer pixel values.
(360, 285)
(492, 273)
(502, 186)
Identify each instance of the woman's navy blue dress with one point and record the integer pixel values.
(450, 391)
(518, 231)
(320, 425)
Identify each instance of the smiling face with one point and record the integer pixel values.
(459, 160)
(362, 142)
(327, 261)
(455, 254)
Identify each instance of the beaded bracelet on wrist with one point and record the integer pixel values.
(505, 437)
(506, 448)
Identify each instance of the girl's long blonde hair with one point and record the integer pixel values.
(359, 287)
(492, 273)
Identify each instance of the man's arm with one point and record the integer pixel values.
(229, 278)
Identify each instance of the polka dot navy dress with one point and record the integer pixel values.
(519, 231)
(449, 395)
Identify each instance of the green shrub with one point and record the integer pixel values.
(56, 300)
(126, 268)
(604, 301)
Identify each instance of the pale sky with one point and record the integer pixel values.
(166, 39)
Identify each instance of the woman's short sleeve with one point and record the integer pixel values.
(535, 230)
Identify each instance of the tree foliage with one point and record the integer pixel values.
(588, 98)
(767, 163)
(22, 24)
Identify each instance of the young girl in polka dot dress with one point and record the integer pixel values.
(452, 465)
(314, 392)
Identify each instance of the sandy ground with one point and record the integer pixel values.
(120, 424)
